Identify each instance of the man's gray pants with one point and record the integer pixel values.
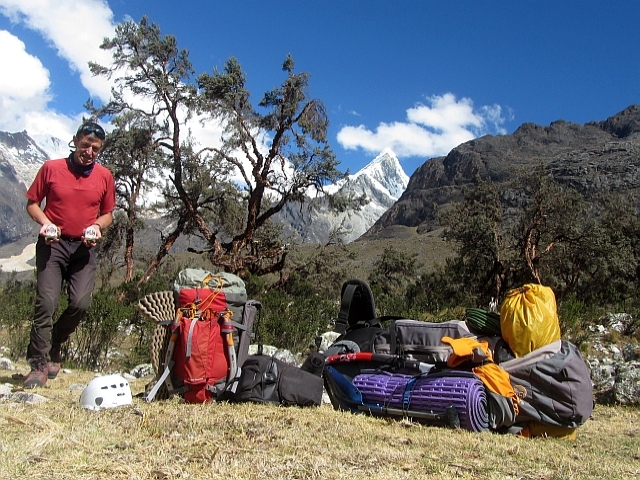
(68, 260)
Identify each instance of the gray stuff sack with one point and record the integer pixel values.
(420, 340)
(266, 379)
(553, 384)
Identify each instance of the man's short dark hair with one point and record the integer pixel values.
(88, 128)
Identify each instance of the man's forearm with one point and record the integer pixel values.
(36, 213)
(104, 221)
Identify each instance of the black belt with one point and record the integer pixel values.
(70, 239)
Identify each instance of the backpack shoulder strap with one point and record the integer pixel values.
(245, 331)
(165, 378)
(356, 305)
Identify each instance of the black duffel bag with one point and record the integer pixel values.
(265, 379)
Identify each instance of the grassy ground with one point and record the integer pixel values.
(167, 440)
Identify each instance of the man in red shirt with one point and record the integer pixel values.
(80, 198)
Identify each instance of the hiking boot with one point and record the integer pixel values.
(53, 368)
(37, 377)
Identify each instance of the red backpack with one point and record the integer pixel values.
(201, 356)
(205, 343)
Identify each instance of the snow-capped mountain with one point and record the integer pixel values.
(383, 175)
(23, 154)
(53, 146)
(20, 159)
(383, 181)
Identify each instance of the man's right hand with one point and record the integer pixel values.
(51, 233)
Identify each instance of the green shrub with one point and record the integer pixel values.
(102, 331)
(293, 322)
(16, 313)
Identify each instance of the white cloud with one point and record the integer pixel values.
(26, 83)
(74, 29)
(430, 130)
(25, 92)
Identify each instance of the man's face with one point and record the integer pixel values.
(87, 149)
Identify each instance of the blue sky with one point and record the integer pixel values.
(419, 77)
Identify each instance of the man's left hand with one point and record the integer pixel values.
(91, 235)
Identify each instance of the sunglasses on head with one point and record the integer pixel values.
(92, 128)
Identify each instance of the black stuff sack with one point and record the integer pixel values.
(266, 379)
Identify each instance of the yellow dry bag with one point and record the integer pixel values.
(529, 318)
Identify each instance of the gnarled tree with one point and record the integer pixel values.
(295, 158)
(278, 153)
(131, 154)
(476, 225)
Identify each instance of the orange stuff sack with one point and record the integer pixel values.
(537, 429)
(529, 318)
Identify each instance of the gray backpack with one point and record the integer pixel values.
(553, 384)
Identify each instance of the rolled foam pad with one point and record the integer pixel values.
(382, 388)
(465, 393)
(431, 393)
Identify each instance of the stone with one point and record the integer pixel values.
(287, 357)
(627, 387)
(142, 370)
(28, 398)
(619, 322)
(5, 390)
(617, 354)
(603, 374)
(266, 350)
(327, 339)
(6, 364)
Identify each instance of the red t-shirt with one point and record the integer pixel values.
(73, 202)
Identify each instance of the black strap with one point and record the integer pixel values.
(373, 322)
(248, 318)
(393, 341)
(345, 305)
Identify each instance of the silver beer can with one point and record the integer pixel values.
(51, 232)
(90, 234)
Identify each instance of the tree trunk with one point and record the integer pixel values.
(128, 255)
(163, 250)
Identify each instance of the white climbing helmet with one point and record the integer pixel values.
(106, 392)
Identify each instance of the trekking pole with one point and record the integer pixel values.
(227, 331)
(168, 358)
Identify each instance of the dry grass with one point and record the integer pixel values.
(167, 440)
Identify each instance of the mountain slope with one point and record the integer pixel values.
(20, 159)
(23, 154)
(595, 157)
(383, 180)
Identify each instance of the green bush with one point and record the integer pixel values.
(293, 322)
(16, 313)
(102, 331)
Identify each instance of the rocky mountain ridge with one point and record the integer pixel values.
(20, 159)
(383, 181)
(594, 157)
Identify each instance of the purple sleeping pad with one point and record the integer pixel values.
(432, 393)
(382, 388)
